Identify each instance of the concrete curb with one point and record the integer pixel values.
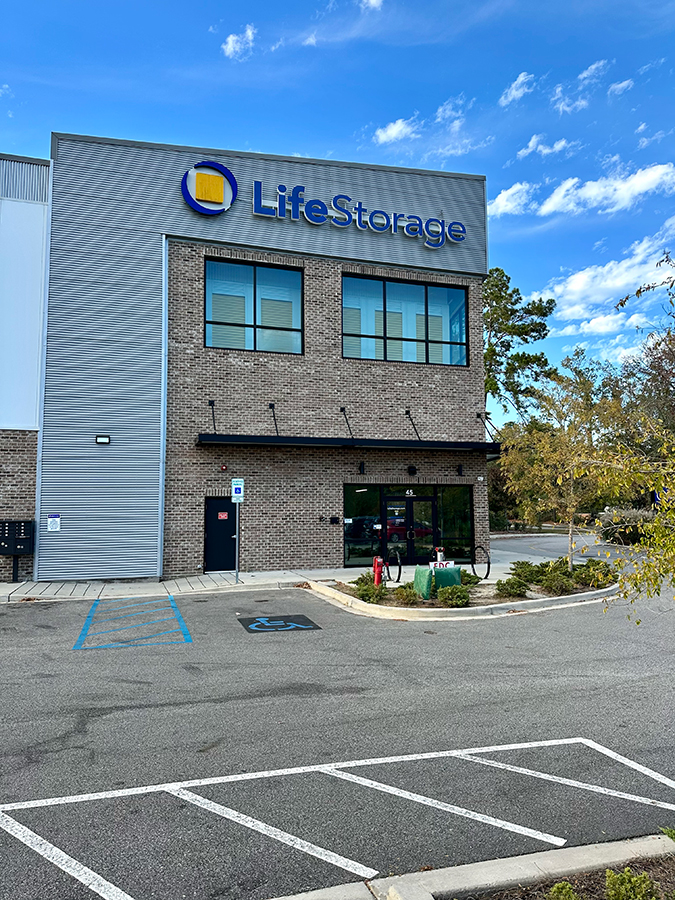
(216, 589)
(497, 611)
(501, 874)
(498, 874)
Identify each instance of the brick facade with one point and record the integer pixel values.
(289, 489)
(18, 465)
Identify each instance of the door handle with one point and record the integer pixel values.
(410, 535)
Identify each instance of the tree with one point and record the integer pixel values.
(509, 323)
(647, 461)
(554, 462)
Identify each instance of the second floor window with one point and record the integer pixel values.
(403, 322)
(253, 307)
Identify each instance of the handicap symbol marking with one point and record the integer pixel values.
(279, 623)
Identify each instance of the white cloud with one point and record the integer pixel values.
(279, 43)
(453, 108)
(595, 71)
(537, 145)
(641, 127)
(399, 130)
(10, 113)
(605, 323)
(239, 46)
(609, 194)
(213, 29)
(370, 4)
(658, 137)
(5, 91)
(513, 201)
(563, 103)
(524, 84)
(587, 293)
(458, 144)
(620, 87)
(310, 40)
(655, 64)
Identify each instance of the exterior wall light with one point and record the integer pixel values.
(102, 438)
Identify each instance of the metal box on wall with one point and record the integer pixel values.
(17, 538)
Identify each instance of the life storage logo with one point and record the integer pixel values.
(209, 188)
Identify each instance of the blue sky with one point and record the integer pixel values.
(568, 108)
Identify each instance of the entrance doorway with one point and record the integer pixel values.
(410, 528)
(219, 535)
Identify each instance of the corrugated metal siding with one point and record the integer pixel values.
(110, 206)
(24, 180)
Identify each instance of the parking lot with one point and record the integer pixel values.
(248, 765)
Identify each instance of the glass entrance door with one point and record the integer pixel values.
(421, 534)
(410, 529)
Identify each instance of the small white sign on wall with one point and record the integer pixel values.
(53, 521)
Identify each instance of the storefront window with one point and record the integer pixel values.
(406, 522)
(403, 322)
(363, 528)
(253, 308)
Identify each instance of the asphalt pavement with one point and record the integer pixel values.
(399, 738)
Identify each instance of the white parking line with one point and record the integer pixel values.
(71, 866)
(570, 782)
(650, 773)
(446, 807)
(276, 773)
(272, 832)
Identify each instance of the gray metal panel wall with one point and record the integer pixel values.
(24, 180)
(111, 204)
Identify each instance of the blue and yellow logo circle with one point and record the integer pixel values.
(209, 188)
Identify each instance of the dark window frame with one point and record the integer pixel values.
(383, 337)
(254, 325)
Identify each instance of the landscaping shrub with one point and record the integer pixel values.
(526, 571)
(454, 595)
(555, 583)
(407, 594)
(627, 885)
(511, 587)
(594, 573)
(469, 578)
(367, 590)
(562, 891)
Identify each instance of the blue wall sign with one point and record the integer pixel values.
(210, 188)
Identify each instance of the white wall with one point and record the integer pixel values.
(22, 263)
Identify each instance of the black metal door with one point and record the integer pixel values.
(219, 535)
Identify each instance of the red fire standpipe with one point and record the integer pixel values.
(440, 554)
(378, 566)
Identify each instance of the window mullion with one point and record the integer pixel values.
(384, 321)
(426, 324)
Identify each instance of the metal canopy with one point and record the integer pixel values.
(273, 440)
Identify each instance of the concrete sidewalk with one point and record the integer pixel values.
(534, 548)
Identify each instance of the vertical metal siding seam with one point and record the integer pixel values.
(43, 373)
(165, 374)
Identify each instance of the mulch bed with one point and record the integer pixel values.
(591, 885)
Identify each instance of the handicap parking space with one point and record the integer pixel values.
(263, 834)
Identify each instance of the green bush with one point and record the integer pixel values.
(406, 594)
(555, 583)
(562, 891)
(469, 578)
(627, 885)
(364, 579)
(511, 587)
(454, 595)
(526, 571)
(594, 573)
